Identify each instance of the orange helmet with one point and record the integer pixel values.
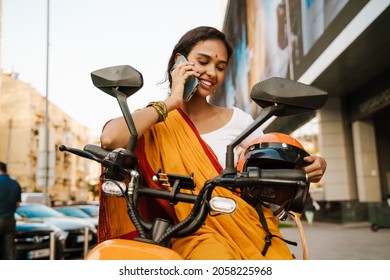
(272, 150)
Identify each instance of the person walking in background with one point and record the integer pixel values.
(10, 197)
(310, 207)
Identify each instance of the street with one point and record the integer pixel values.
(353, 241)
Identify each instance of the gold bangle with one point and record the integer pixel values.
(160, 108)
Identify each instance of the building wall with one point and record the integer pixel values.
(335, 145)
(22, 144)
(366, 163)
(340, 47)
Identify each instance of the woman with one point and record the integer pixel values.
(183, 137)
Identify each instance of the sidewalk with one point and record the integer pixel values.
(352, 241)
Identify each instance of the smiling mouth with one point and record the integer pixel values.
(206, 83)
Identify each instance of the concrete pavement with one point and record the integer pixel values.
(351, 241)
(330, 241)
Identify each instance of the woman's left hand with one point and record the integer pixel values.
(316, 168)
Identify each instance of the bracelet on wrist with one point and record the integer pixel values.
(160, 108)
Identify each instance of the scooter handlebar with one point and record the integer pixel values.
(265, 177)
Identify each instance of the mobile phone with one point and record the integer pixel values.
(191, 84)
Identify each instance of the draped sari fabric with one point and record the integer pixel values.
(176, 147)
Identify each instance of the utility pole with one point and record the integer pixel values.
(47, 167)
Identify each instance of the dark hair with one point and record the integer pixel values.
(3, 167)
(194, 36)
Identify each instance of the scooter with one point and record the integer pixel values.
(121, 174)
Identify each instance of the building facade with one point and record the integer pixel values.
(341, 47)
(66, 177)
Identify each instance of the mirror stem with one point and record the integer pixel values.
(122, 100)
(264, 115)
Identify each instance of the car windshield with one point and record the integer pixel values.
(37, 211)
(91, 210)
(73, 212)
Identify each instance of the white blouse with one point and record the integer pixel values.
(225, 135)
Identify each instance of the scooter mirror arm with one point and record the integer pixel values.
(264, 115)
(122, 101)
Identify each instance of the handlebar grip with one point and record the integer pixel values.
(266, 177)
(293, 175)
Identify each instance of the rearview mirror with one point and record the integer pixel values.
(296, 97)
(277, 97)
(123, 78)
(121, 82)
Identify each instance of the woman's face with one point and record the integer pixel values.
(210, 58)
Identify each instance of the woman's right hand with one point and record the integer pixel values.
(179, 76)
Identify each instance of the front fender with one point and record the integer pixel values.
(122, 249)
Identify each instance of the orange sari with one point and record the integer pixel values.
(176, 147)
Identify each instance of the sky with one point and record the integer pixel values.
(86, 35)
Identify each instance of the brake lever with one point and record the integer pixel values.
(80, 153)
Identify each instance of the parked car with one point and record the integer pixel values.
(33, 240)
(91, 209)
(73, 228)
(35, 197)
(77, 211)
